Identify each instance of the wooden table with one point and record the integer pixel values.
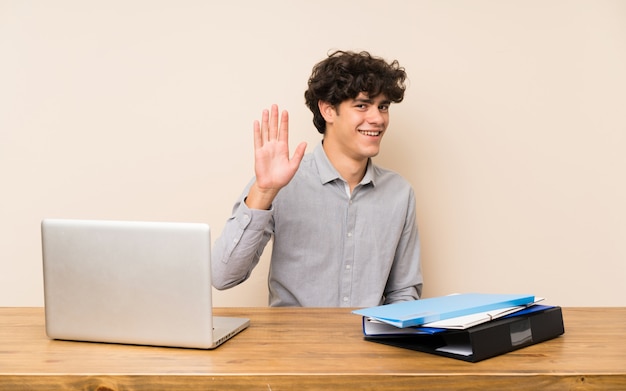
(305, 348)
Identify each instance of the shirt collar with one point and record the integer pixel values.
(328, 173)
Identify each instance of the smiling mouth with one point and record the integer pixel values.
(370, 133)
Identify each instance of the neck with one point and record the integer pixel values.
(351, 170)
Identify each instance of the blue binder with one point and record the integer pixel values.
(418, 312)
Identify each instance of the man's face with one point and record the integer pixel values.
(356, 126)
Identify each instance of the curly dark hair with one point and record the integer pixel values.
(345, 74)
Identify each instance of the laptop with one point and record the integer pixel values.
(140, 283)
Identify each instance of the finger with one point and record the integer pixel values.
(298, 154)
(283, 133)
(265, 126)
(273, 126)
(258, 139)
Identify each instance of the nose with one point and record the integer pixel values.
(375, 116)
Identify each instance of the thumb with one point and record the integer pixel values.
(298, 154)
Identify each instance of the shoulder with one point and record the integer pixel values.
(386, 177)
(392, 187)
(306, 177)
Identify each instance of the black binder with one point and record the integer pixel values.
(486, 340)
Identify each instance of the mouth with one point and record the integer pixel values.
(371, 133)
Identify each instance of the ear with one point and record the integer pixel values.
(328, 111)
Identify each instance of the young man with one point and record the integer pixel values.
(344, 229)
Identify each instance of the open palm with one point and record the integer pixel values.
(273, 167)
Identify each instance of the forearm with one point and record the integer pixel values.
(238, 249)
(404, 286)
(405, 279)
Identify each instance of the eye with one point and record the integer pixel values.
(384, 108)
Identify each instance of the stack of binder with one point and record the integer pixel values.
(469, 327)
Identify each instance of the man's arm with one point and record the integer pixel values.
(405, 279)
(246, 233)
(237, 251)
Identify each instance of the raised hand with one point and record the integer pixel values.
(272, 165)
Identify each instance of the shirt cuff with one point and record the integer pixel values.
(254, 219)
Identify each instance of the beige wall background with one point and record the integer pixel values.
(512, 132)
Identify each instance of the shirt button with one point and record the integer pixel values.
(348, 267)
(349, 234)
(345, 299)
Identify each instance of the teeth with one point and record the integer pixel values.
(370, 133)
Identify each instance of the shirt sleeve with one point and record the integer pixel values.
(238, 249)
(405, 279)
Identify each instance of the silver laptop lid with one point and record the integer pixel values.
(128, 282)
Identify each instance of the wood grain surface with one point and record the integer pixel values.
(310, 349)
